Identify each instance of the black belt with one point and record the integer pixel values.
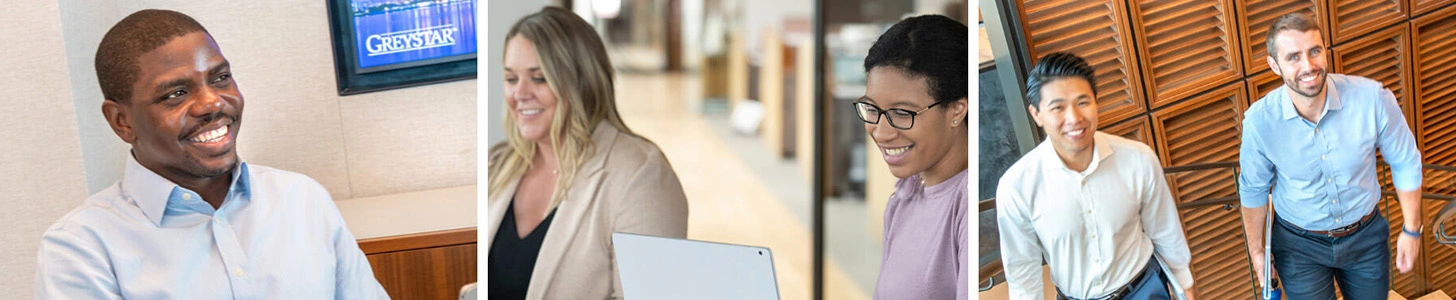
(1342, 231)
(1116, 294)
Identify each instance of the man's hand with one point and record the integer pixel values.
(1407, 248)
(1257, 257)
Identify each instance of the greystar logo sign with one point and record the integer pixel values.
(411, 40)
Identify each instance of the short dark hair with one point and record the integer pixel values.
(931, 46)
(1058, 65)
(137, 34)
(1297, 21)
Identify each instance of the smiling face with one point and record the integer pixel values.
(929, 140)
(1299, 59)
(528, 96)
(184, 110)
(1068, 115)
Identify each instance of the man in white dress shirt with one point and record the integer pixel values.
(1095, 206)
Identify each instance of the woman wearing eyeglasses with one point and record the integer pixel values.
(570, 172)
(915, 109)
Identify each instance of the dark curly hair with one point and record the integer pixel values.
(1057, 65)
(933, 47)
(137, 34)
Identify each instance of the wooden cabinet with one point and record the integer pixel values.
(1186, 47)
(431, 265)
(1098, 32)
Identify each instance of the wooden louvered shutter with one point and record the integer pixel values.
(1441, 276)
(1256, 16)
(1434, 39)
(1205, 129)
(1405, 284)
(1186, 47)
(1262, 84)
(1422, 7)
(1381, 56)
(1136, 129)
(1096, 31)
(1350, 19)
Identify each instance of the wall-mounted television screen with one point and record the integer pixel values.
(386, 44)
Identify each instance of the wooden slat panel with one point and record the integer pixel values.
(1383, 56)
(1261, 84)
(1440, 276)
(1187, 47)
(1434, 42)
(1202, 129)
(1405, 284)
(1349, 19)
(1136, 129)
(1220, 266)
(1096, 31)
(432, 273)
(1255, 16)
(1422, 7)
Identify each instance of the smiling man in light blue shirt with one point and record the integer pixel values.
(189, 219)
(1310, 145)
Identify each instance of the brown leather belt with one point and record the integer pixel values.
(1344, 231)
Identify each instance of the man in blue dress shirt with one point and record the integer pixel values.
(189, 219)
(1310, 146)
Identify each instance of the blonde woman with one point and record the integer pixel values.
(570, 173)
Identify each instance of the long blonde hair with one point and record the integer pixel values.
(577, 70)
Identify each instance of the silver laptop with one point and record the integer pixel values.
(665, 268)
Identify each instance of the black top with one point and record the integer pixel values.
(512, 258)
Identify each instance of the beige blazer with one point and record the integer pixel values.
(626, 186)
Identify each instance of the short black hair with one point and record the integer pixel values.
(1058, 65)
(930, 46)
(137, 34)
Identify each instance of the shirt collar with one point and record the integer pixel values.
(1332, 100)
(152, 192)
(1101, 150)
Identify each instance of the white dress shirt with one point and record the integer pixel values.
(1096, 229)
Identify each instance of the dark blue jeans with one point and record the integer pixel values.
(1309, 265)
(1153, 285)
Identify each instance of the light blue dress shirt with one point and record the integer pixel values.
(1322, 174)
(277, 235)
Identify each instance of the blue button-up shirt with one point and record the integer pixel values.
(277, 235)
(1323, 174)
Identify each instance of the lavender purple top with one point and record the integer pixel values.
(926, 235)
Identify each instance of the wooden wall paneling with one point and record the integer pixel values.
(430, 273)
(1422, 7)
(1220, 266)
(1440, 276)
(1434, 41)
(1383, 56)
(1205, 129)
(1261, 84)
(1098, 32)
(1185, 47)
(1136, 129)
(1350, 19)
(1404, 284)
(1254, 17)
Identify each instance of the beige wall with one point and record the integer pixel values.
(59, 149)
(41, 173)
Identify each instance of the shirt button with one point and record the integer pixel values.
(1322, 157)
(1094, 236)
(186, 196)
(238, 271)
(1329, 180)
(1337, 220)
